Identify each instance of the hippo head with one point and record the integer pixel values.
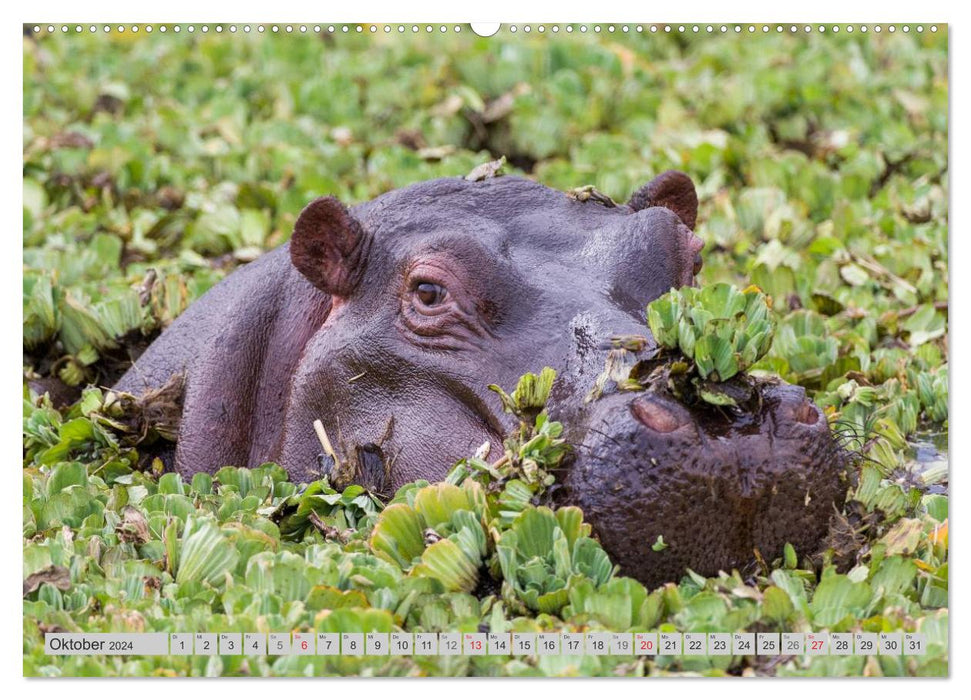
(445, 287)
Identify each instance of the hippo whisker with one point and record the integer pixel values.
(602, 434)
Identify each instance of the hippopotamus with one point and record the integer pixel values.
(386, 322)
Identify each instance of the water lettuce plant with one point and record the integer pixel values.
(723, 330)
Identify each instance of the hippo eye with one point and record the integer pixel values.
(430, 294)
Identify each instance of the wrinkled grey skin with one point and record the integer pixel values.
(333, 326)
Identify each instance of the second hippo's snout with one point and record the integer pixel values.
(714, 483)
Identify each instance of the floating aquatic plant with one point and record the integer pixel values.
(543, 554)
(722, 329)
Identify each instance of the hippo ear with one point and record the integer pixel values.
(673, 190)
(329, 247)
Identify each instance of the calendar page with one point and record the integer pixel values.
(522, 349)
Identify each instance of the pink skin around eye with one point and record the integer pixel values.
(437, 272)
(453, 321)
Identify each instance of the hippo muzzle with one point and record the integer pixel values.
(716, 484)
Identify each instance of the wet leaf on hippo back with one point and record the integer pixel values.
(618, 369)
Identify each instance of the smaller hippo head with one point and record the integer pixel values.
(445, 287)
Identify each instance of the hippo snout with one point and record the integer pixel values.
(716, 484)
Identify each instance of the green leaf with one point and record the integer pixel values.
(446, 562)
(837, 597)
(205, 554)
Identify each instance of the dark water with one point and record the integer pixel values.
(927, 460)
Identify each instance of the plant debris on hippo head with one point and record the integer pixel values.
(385, 323)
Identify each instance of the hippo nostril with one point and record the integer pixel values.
(657, 416)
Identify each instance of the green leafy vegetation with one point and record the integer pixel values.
(721, 330)
(156, 164)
